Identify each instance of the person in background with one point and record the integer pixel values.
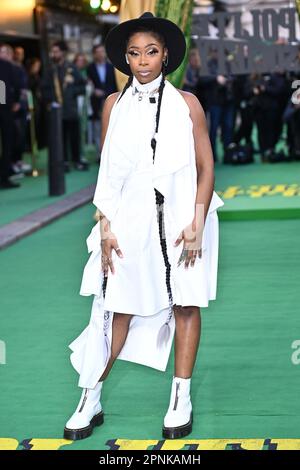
(21, 116)
(245, 109)
(292, 113)
(81, 62)
(101, 74)
(192, 72)
(7, 53)
(62, 84)
(33, 66)
(221, 105)
(267, 92)
(10, 97)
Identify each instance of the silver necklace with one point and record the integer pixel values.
(143, 93)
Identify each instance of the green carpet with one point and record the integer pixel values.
(259, 191)
(33, 194)
(244, 384)
(251, 192)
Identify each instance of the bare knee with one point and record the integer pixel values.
(177, 309)
(185, 313)
(124, 318)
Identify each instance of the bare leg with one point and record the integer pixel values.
(120, 326)
(187, 337)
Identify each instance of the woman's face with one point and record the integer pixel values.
(36, 67)
(80, 62)
(145, 55)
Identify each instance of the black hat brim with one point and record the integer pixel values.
(115, 42)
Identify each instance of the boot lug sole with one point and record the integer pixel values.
(178, 431)
(77, 434)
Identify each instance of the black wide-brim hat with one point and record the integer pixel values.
(115, 42)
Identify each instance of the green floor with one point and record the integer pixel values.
(256, 191)
(259, 190)
(33, 193)
(244, 385)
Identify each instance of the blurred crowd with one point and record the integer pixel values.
(234, 105)
(79, 87)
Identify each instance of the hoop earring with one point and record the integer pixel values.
(166, 61)
(126, 58)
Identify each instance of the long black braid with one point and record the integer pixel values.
(160, 199)
(127, 85)
(158, 196)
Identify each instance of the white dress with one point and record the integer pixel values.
(138, 286)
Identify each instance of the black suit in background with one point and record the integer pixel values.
(221, 106)
(109, 86)
(245, 108)
(268, 105)
(8, 75)
(20, 117)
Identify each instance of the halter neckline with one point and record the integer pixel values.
(146, 87)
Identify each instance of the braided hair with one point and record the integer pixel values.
(127, 85)
(159, 199)
(160, 202)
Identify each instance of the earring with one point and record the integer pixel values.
(166, 61)
(127, 61)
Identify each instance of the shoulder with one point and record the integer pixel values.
(4, 64)
(196, 109)
(7, 67)
(112, 98)
(190, 99)
(197, 113)
(109, 102)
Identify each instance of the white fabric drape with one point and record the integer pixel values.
(125, 185)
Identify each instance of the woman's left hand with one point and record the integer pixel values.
(192, 241)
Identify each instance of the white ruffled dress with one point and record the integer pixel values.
(125, 194)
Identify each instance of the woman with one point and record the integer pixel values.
(81, 62)
(34, 84)
(159, 260)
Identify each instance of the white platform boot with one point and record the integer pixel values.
(179, 418)
(87, 415)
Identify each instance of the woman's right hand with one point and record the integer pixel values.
(109, 244)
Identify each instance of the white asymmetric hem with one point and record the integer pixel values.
(125, 194)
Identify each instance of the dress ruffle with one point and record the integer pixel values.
(90, 350)
(141, 275)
